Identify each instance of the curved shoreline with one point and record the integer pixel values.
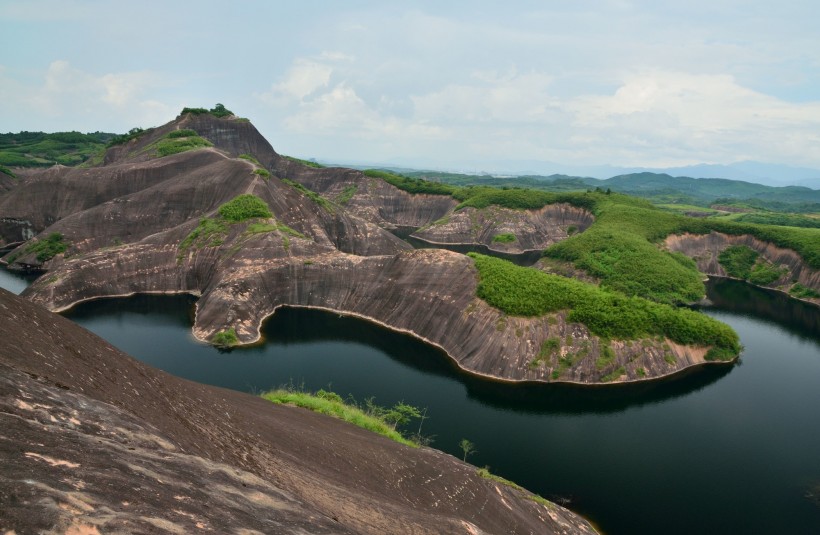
(492, 378)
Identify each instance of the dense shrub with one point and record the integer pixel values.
(244, 207)
(225, 338)
(504, 237)
(523, 291)
(738, 260)
(185, 132)
(49, 247)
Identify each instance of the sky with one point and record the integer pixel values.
(643, 83)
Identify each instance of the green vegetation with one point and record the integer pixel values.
(185, 132)
(411, 185)
(264, 173)
(467, 447)
(308, 163)
(738, 260)
(377, 419)
(528, 292)
(549, 348)
(506, 237)
(312, 195)
(134, 133)
(217, 111)
(226, 338)
(614, 375)
(38, 149)
(47, 248)
(486, 474)
(212, 231)
(606, 357)
(261, 228)
(7, 171)
(174, 144)
(621, 248)
(745, 263)
(244, 207)
(803, 292)
(773, 218)
(250, 158)
(344, 197)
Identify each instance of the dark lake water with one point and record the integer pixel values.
(721, 450)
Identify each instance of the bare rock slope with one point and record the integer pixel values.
(96, 442)
(143, 223)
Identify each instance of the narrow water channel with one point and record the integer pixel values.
(724, 450)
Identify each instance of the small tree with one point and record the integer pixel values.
(467, 447)
(401, 413)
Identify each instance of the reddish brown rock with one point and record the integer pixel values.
(96, 442)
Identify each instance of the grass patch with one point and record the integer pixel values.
(226, 338)
(745, 263)
(304, 162)
(261, 228)
(506, 237)
(264, 173)
(606, 357)
(371, 417)
(803, 292)
(185, 132)
(411, 185)
(521, 291)
(48, 248)
(244, 207)
(738, 260)
(312, 195)
(344, 197)
(174, 145)
(210, 232)
(250, 158)
(549, 348)
(608, 378)
(7, 171)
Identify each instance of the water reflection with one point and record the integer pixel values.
(798, 317)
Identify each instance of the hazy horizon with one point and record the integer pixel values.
(618, 83)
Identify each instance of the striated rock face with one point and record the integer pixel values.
(429, 293)
(372, 199)
(706, 248)
(96, 442)
(128, 226)
(530, 229)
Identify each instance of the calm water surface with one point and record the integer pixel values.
(723, 450)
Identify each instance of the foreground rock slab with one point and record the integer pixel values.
(93, 441)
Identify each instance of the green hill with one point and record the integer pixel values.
(38, 149)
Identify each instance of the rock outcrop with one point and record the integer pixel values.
(96, 442)
(705, 249)
(505, 230)
(129, 227)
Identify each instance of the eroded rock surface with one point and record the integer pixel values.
(129, 227)
(705, 249)
(93, 441)
(506, 230)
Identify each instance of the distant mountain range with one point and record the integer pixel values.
(748, 171)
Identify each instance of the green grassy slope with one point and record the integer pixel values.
(38, 149)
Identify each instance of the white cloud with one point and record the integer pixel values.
(303, 78)
(104, 101)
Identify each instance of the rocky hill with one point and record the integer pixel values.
(95, 442)
(164, 213)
